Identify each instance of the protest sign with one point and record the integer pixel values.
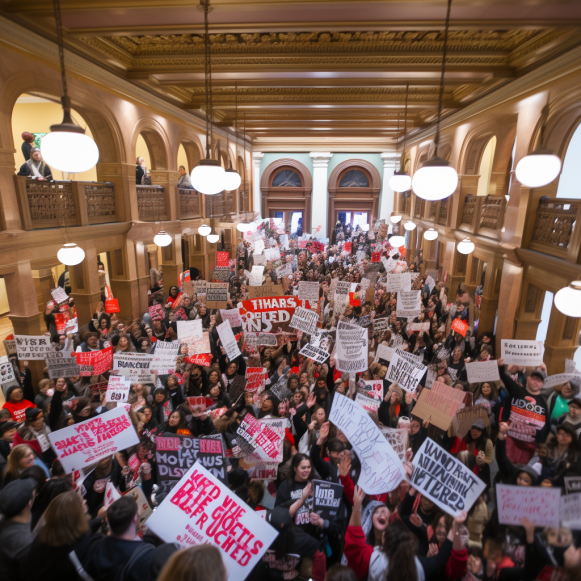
(444, 479)
(326, 499)
(540, 505)
(10, 346)
(200, 359)
(280, 389)
(220, 273)
(480, 371)
(202, 510)
(572, 484)
(272, 254)
(352, 348)
(308, 291)
(256, 275)
(258, 469)
(400, 282)
(175, 455)
(118, 389)
(187, 329)
(570, 366)
(384, 352)
(255, 378)
(369, 404)
(409, 304)
(99, 361)
(304, 320)
(439, 404)
(112, 306)
(198, 405)
(232, 315)
(6, 372)
(560, 378)
(33, 347)
(59, 295)
(381, 468)
(465, 417)
(422, 327)
(266, 441)
(131, 363)
(405, 371)
(222, 258)
(570, 511)
(164, 357)
(228, 340)
(266, 290)
(84, 444)
(398, 440)
(62, 365)
(156, 313)
(315, 353)
(259, 259)
(269, 314)
(267, 339)
(217, 295)
(520, 352)
(200, 287)
(459, 326)
(371, 388)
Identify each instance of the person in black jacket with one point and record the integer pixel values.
(293, 492)
(35, 167)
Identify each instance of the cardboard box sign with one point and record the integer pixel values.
(112, 306)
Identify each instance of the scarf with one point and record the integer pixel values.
(36, 168)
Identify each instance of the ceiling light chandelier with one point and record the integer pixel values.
(394, 219)
(397, 241)
(70, 254)
(66, 147)
(430, 234)
(436, 180)
(541, 166)
(162, 238)
(208, 176)
(466, 246)
(568, 300)
(232, 177)
(409, 225)
(204, 230)
(400, 181)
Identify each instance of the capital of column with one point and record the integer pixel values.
(320, 158)
(257, 158)
(390, 159)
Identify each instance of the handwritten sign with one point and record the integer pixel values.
(459, 326)
(308, 291)
(405, 371)
(352, 348)
(520, 352)
(98, 361)
(118, 389)
(265, 440)
(369, 404)
(131, 363)
(409, 304)
(62, 365)
(326, 499)
(32, 347)
(539, 505)
(255, 378)
(156, 313)
(232, 315)
(304, 320)
(439, 404)
(187, 329)
(222, 258)
(165, 357)
(228, 340)
(315, 353)
(398, 440)
(217, 295)
(59, 295)
(266, 290)
(480, 371)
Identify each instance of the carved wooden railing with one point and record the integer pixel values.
(221, 205)
(443, 213)
(469, 213)
(433, 212)
(243, 201)
(492, 214)
(554, 228)
(46, 204)
(190, 203)
(151, 203)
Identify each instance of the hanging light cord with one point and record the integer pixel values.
(244, 160)
(60, 42)
(405, 127)
(441, 97)
(208, 77)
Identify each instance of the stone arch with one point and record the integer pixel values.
(157, 142)
(193, 148)
(367, 167)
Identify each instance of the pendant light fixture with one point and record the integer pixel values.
(541, 166)
(436, 180)
(231, 176)
(208, 176)
(162, 238)
(204, 230)
(66, 147)
(466, 246)
(70, 254)
(430, 234)
(400, 181)
(397, 241)
(213, 238)
(409, 225)
(394, 219)
(568, 300)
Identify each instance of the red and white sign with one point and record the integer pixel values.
(84, 444)
(270, 314)
(539, 505)
(222, 258)
(255, 378)
(201, 510)
(459, 326)
(266, 441)
(100, 361)
(112, 306)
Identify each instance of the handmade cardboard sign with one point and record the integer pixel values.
(465, 417)
(266, 290)
(217, 295)
(266, 441)
(405, 371)
(540, 505)
(33, 347)
(6, 372)
(232, 315)
(222, 258)
(480, 371)
(352, 346)
(59, 295)
(560, 378)
(520, 352)
(439, 404)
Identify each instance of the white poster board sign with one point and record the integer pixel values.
(131, 363)
(187, 329)
(352, 345)
(32, 347)
(409, 304)
(308, 291)
(405, 371)
(521, 352)
(228, 340)
(539, 505)
(304, 320)
(480, 371)
(165, 357)
(118, 389)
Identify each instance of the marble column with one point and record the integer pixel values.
(386, 198)
(257, 197)
(320, 194)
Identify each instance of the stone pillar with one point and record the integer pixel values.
(171, 261)
(9, 211)
(84, 277)
(387, 196)
(320, 195)
(43, 282)
(257, 197)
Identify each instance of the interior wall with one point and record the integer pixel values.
(485, 169)
(373, 158)
(569, 180)
(183, 158)
(37, 117)
(142, 151)
(270, 157)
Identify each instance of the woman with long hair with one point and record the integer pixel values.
(200, 563)
(560, 457)
(477, 451)
(294, 491)
(20, 458)
(176, 424)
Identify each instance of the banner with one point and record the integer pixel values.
(326, 499)
(381, 468)
(352, 348)
(118, 389)
(175, 455)
(100, 361)
(405, 371)
(33, 347)
(266, 290)
(62, 365)
(165, 357)
(439, 404)
(201, 510)
(187, 329)
(84, 444)
(409, 304)
(228, 340)
(304, 320)
(560, 378)
(131, 363)
(480, 371)
(270, 314)
(309, 291)
(446, 481)
(520, 352)
(540, 505)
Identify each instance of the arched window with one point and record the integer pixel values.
(354, 178)
(287, 178)
(569, 179)
(485, 168)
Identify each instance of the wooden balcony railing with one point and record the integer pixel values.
(243, 201)
(469, 213)
(221, 205)
(151, 203)
(443, 213)
(190, 203)
(492, 215)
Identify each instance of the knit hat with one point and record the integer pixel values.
(15, 496)
(280, 518)
(530, 471)
(32, 413)
(479, 424)
(538, 373)
(6, 426)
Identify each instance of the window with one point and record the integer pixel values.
(291, 218)
(485, 169)
(354, 178)
(569, 179)
(287, 178)
(353, 218)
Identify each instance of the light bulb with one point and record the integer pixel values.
(409, 225)
(466, 246)
(69, 151)
(568, 300)
(537, 169)
(395, 219)
(242, 227)
(162, 238)
(430, 234)
(204, 230)
(400, 182)
(208, 177)
(436, 180)
(231, 179)
(70, 254)
(397, 241)
(213, 238)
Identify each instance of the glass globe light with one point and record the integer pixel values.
(466, 246)
(213, 238)
(568, 300)
(242, 227)
(232, 179)
(537, 169)
(69, 151)
(208, 177)
(395, 219)
(436, 180)
(162, 238)
(204, 230)
(70, 254)
(397, 241)
(430, 234)
(252, 227)
(400, 182)
(409, 225)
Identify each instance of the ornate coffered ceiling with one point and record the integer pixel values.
(317, 69)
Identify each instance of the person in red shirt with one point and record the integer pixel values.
(16, 404)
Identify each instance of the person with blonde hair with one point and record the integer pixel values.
(200, 563)
(21, 458)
